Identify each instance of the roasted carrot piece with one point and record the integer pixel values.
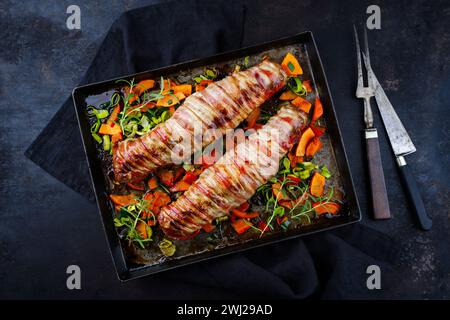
(288, 95)
(241, 225)
(292, 180)
(317, 184)
(110, 128)
(185, 89)
(160, 199)
(323, 208)
(294, 159)
(281, 220)
(208, 160)
(318, 110)
(291, 66)
(276, 189)
(253, 117)
(113, 116)
(151, 222)
(166, 177)
(142, 86)
(180, 186)
(148, 106)
(170, 99)
(141, 228)
(307, 85)
(152, 183)
(244, 215)
(306, 137)
(314, 146)
(303, 104)
(209, 227)
(123, 199)
(168, 85)
(133, 98)
(199, 87)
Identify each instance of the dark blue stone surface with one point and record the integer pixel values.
(45, 226)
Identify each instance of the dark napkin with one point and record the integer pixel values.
(327, 265)
(188, 30)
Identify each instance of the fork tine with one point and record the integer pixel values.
(358, 59)
(366, 57)
(366, 46)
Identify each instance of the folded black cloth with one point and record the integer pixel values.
(327, 265)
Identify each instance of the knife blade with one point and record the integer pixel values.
(402, 145)
(398, 136)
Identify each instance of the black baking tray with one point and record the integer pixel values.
(126, 270)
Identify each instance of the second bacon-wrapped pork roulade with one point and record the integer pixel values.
(235, 177)
(221, 106)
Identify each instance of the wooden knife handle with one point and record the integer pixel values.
(380, 202)
(413, 194)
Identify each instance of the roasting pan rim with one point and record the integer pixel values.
(123, 270)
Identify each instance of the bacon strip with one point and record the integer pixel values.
(235, 177)
(221, 106)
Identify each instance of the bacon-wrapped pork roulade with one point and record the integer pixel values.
(235, 177)
(221, 106)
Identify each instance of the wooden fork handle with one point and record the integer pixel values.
(380, 201)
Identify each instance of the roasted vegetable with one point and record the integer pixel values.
(317, 184)
(244, 215)
(110, 128)
(143, 86)
(137, 185)
(303, 104)
(314, 146)
(291, 66)
(324, 208)
(185, 89)
(318, 110)
(143, 230)
(152, 183)
(167, 248)
(170, 99)
(199, 87)
(318, 131)
(241, 225)
(113, 116)
(166, 176)
(288, 95)
(123, 199)
(307, 85)
(209, 227)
